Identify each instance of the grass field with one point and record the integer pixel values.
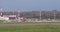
(30, 29)
(36, 28)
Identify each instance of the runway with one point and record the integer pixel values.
(42, 24)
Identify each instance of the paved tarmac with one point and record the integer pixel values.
(42, 24)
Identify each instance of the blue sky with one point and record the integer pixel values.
(28, 5)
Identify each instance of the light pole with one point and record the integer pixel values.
(54, 15)
(40, 15)
(13, 12)
(18, 14)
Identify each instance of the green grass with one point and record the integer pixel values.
(30, 29)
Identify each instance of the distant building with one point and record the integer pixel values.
(11, 17)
